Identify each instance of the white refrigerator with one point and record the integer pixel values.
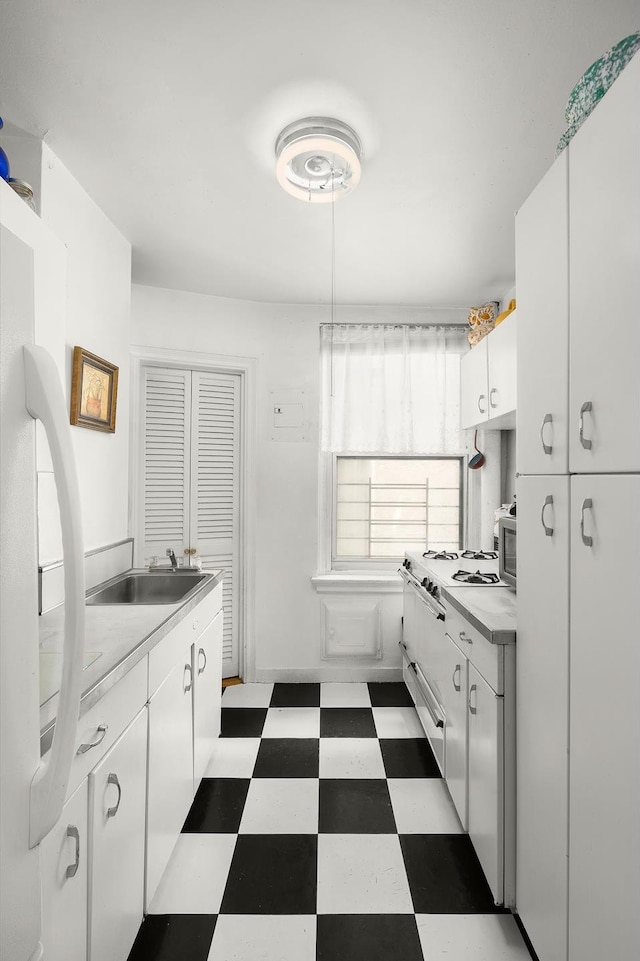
(32, 790)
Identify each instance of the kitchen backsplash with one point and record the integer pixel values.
(99, 566)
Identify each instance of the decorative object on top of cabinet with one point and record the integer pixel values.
(4, 160)
(481, 320)
(505, 313)
(594, 83)
(23, 190)
(94, 391)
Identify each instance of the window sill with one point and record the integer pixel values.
(358, 582)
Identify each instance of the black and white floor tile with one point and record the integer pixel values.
(323, 831)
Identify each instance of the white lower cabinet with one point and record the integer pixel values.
(207, 694)
(485, 780)
(63, 862)
(117, 794)
(604, 758)
(542, 696)
(454, 695)
(477, 685)
(170, 770)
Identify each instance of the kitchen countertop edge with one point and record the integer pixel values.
(494, 637)
(122, 667)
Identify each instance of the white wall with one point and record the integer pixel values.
(98, 290)
(285, 341)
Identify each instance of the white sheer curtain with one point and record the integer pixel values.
(392, 389)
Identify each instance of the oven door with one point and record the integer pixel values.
(423, 641)
(429, 711)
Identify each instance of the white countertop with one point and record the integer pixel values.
(121, 634)
(491, 610)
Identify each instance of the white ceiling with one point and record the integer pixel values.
(167, 112)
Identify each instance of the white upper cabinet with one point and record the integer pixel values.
(488, 380)
(604, 290)
(474, 406)
(542, 273)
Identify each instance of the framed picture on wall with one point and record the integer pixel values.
(94, 391)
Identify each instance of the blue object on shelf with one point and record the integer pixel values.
(4, 160)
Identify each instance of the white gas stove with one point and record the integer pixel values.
(433, 570)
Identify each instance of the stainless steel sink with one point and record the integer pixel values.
(148, 587)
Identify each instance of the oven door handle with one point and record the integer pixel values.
(421, 594)
(430, 700)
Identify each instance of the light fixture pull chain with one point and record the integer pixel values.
(333, 266)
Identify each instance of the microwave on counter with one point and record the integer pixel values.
(507, 550)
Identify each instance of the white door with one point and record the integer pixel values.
(501, 356)
(214, 524)
(191, 479)
(542, 325)
(166, 403)
(604, 252)
(486, 763)
(604, 767)
(63, 860)
(474, 402)
(170, 779)
(207, 694)
(455, 731)
(117, 796)
(542, 705)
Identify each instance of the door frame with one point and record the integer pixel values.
(246, 369)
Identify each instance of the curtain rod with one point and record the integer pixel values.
(391, 324)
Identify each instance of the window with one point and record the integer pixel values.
(387, 505)
(392, 475)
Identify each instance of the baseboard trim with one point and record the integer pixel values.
(328, 674)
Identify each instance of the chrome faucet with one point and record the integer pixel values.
(172, 558)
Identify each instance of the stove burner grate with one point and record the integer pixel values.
(479, 555)
(440, 555)
(468, 577)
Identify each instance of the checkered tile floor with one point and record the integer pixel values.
(323, 832)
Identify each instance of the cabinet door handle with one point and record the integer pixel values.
(548, 502)
(201, 669)
(547, 448)
(188, 687)
(587, 407)
(113, 779)
(101, 732)
(465, 638)
(457, 671)
(587, 505)
(494, 390)
(483, 410)
(473, 709)
(72, 832)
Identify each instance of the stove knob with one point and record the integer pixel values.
(406, 563)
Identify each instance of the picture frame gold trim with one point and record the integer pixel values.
(94, 391)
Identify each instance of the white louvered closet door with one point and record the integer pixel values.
(191, 478)
(166, 461)
(214, 492)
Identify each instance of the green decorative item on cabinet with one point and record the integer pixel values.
(594, 83)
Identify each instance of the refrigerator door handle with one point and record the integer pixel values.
(45, 401)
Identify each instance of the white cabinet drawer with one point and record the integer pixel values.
(487, 658)
(103, 724)
(163, 657)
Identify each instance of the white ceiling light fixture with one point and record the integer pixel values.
(318, 159)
